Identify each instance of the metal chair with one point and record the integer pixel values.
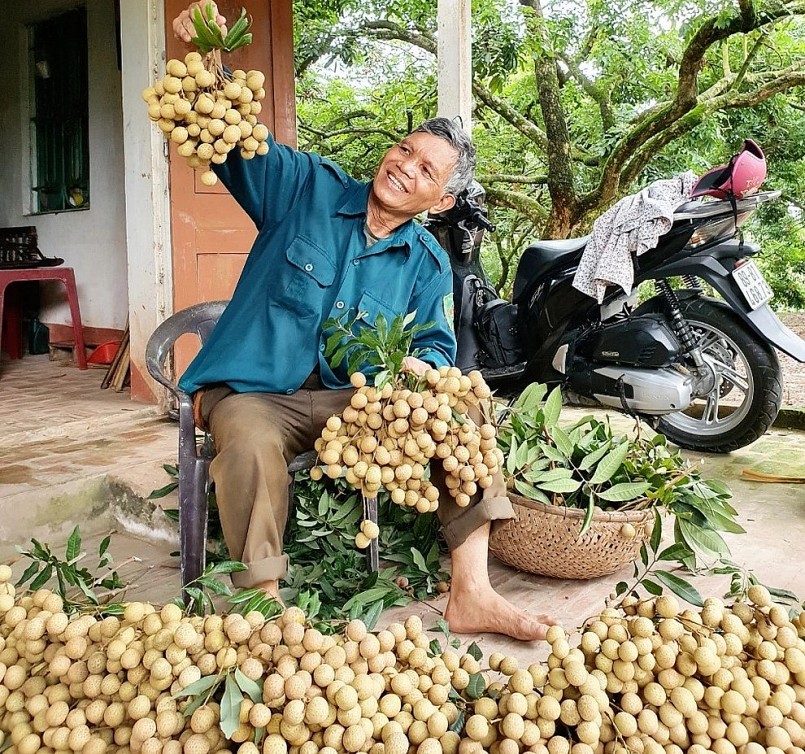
(195, 456)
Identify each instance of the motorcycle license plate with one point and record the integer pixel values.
(753, 285)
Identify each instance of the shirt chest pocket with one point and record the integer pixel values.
(308, 273)
(371, 306)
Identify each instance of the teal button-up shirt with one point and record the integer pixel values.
(309, 262)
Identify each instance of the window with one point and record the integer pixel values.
(60, 114)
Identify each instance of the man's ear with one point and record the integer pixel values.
(445, 203)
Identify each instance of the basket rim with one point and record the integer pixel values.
(562, 511)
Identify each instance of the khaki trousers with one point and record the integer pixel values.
(256, 436)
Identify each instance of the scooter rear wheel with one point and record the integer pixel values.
(748, 391)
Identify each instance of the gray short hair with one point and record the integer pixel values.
(458, 138)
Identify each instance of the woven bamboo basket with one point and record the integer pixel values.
(544, 539)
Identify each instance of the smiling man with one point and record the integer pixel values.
(329, 245)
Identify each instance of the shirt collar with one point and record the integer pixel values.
(354, 205)
(355, 201)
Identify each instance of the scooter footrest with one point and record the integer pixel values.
(509, 371)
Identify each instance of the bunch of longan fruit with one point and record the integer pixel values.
(387, 437)
(206, 111)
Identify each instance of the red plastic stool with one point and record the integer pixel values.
(11, 326)
(66, 276)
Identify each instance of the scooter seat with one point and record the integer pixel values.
(542, 257)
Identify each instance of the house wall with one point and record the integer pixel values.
(92, 241)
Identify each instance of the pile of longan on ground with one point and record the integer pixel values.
(207, 111)
(387, 437)
(649, 679)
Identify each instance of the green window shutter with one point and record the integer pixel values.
(60, 113)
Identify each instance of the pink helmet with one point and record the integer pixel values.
(741, 176)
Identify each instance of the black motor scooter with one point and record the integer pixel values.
(702, 370)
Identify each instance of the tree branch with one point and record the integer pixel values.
(391, 30)
(730, 100)
(751, 55)
(521, 203)
(598, 95)
(686, 100)
(529, 180)
(514, 118)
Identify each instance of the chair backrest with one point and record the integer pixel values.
(199, 319)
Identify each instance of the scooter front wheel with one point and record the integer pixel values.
(748, 387)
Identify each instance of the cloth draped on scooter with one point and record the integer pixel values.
(630, 227)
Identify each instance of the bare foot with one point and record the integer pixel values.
(489, 612)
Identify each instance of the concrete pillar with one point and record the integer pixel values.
(455, 61)
(146, 186)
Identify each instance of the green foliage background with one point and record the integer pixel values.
(367, 73)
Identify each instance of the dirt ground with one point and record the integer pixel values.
(793, 371)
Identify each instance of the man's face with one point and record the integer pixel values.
(413, 173)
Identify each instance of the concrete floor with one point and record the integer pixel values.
(73, 454)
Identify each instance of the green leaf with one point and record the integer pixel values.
(443, 626)
(73, 546)
(720, 522)
(705, 541)
(198, 687)
(216, 586)
(163, 491)
(624, 492)
(42, 578)
(194, 705)
(679, 587)
(435, 648)
(252, 689)
(244, 595)
(476, 686)
(563, 441)
(675, 552)
(29, 572)
(456, 727)
(531, 397)
(511, 460)
(621, 587)
(588, 516)
(522, 454)
(369, 595)
(531, 492)
(651, 587)
(553, 453)
(610, 464)
(474, 651)
(718, 486)
(644, 554)
(104, 546)
(372, 615)
(230, 707)
(552, 407)
(551, 475)
(592, 458)
(782, 594)
(656, 532)
(561, 486)
(225, 566)
(419, 560)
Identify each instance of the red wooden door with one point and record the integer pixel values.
(211, 234)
